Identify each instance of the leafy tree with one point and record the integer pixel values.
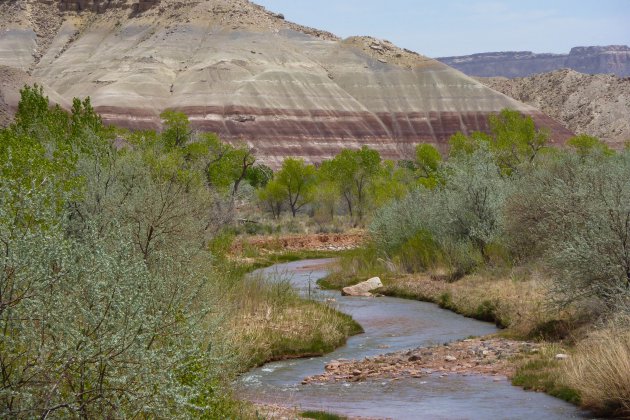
(428, 161)
(392, 183)
(461, 144)
(88, 330)
(585, 146)
(35, 150)
(454, 223)
(259, 175)
(355, 171)
(244, 160)
(272, 196)
(177, 132)
(515, 139)
(225, 166)
(298, 181)
(103, 301)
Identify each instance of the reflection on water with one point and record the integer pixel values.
(390, 325)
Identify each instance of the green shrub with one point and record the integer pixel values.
(419, 252)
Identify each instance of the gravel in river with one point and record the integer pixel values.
(481, 356)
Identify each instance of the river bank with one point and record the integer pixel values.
(391, 325)
(513, 301)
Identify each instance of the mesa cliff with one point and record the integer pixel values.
(612, 59)
(247, 74)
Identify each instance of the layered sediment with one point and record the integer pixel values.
(611, 59)
(248, 75)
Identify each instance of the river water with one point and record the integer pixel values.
(393, 324)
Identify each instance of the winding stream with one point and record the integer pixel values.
(393, 324)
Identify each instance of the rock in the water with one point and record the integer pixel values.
(363, 288)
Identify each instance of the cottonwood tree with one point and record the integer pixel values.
(355, 172)
(297, 180)
(272, 197)
(585, 146)
(514, 140)
(177, 131)
(427, 164)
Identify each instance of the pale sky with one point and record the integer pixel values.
(459, 27)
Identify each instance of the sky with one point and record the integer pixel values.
(458, 27)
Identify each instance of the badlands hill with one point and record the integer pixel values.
(611, 59)
(597, 105)
(245, 73)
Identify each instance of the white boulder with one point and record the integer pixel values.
(364, 288)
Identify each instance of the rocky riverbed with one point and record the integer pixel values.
(474, 356)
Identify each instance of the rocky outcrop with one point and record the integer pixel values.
(250, 76)
(612, 59)
(597, 105)
(364, 288)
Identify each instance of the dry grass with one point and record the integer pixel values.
(270, 322)
(600, 371)
(515, 302)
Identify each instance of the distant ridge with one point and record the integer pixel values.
(612, 59)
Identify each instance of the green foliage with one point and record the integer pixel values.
(514, 141)
(355, 172)
(419, 252)
(259, 175)
(586, 146)
(391, 183)
(453, 224)
(472, 200)
(35, 117)
(228, 166)
(428, 161)
(177, 132)
(582, 226)
(85, 313)
(272, 197)
(298, 181)
(105, 303)
(460, 144)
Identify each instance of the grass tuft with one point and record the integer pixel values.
(271, 322)
(600, 370)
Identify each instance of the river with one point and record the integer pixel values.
(393, 324)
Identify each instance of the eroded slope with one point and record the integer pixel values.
(250, 76)
(597, 105)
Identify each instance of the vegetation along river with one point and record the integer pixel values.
(393, 324)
